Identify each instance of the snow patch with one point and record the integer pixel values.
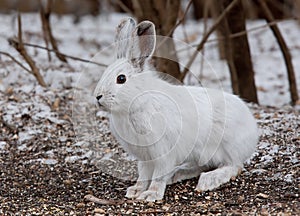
(2, 145)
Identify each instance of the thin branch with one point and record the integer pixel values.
(20, 30)
(45, 17)
(21, 49)
(206, 36)
(65, 55)
(285, 51)
(97, 200)
(45, 34)
(241, 33)
(123, 6)
(16, 61)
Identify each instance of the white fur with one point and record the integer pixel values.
(175, 132)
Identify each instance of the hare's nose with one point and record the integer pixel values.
(99, 97)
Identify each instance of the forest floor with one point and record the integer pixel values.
(48, 166)
(45, 171)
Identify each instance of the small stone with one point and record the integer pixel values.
(233, 178)
(80, 205)
(262, 195)
(107, 150)
(128, 212)
(166, 207)
(257, 115)
(241, 199)
(207, 197)
(9, 90)
(67, 182)
(150, 204)
(99, 211)
(264, 212)
(56, 103)
(176, 197)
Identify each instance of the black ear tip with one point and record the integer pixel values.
(143, 28)
(131, 21)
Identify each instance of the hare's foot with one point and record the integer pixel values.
(183, 174)
(213, 179)
(135, 190)
(155, 192)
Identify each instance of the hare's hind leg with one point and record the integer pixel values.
(213, 179)
(183, 174)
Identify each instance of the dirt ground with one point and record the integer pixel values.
(38, 177)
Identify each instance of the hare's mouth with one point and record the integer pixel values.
(99, 104)
(102, 107)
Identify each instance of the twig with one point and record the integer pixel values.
(123, 6)
(241, 33)
(45, 17)
(238, 34)
(205, 37)
(16, 61)
(169, 212)
(94, 199)
(65, 55)
(285, 51)
(45, 34)
(20, 48)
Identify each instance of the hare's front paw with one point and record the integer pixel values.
(151, 196)
(135, 190)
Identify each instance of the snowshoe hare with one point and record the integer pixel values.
(175, 132)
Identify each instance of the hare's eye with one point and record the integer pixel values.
(121, 79)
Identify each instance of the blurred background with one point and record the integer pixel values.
(229, 22)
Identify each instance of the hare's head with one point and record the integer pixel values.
(135, 44)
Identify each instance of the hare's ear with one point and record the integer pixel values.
(144, 41)
(123, 37)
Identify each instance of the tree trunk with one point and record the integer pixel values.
(164, 15)
(198, 9)
(239, 59)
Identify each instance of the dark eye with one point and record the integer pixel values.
(121, 79)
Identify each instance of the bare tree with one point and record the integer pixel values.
(238, 53)
(164, 15)
(285, 51)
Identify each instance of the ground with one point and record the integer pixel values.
(49, 172)
(49, 163)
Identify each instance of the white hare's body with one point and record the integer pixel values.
(210, 129)
(175, 132)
